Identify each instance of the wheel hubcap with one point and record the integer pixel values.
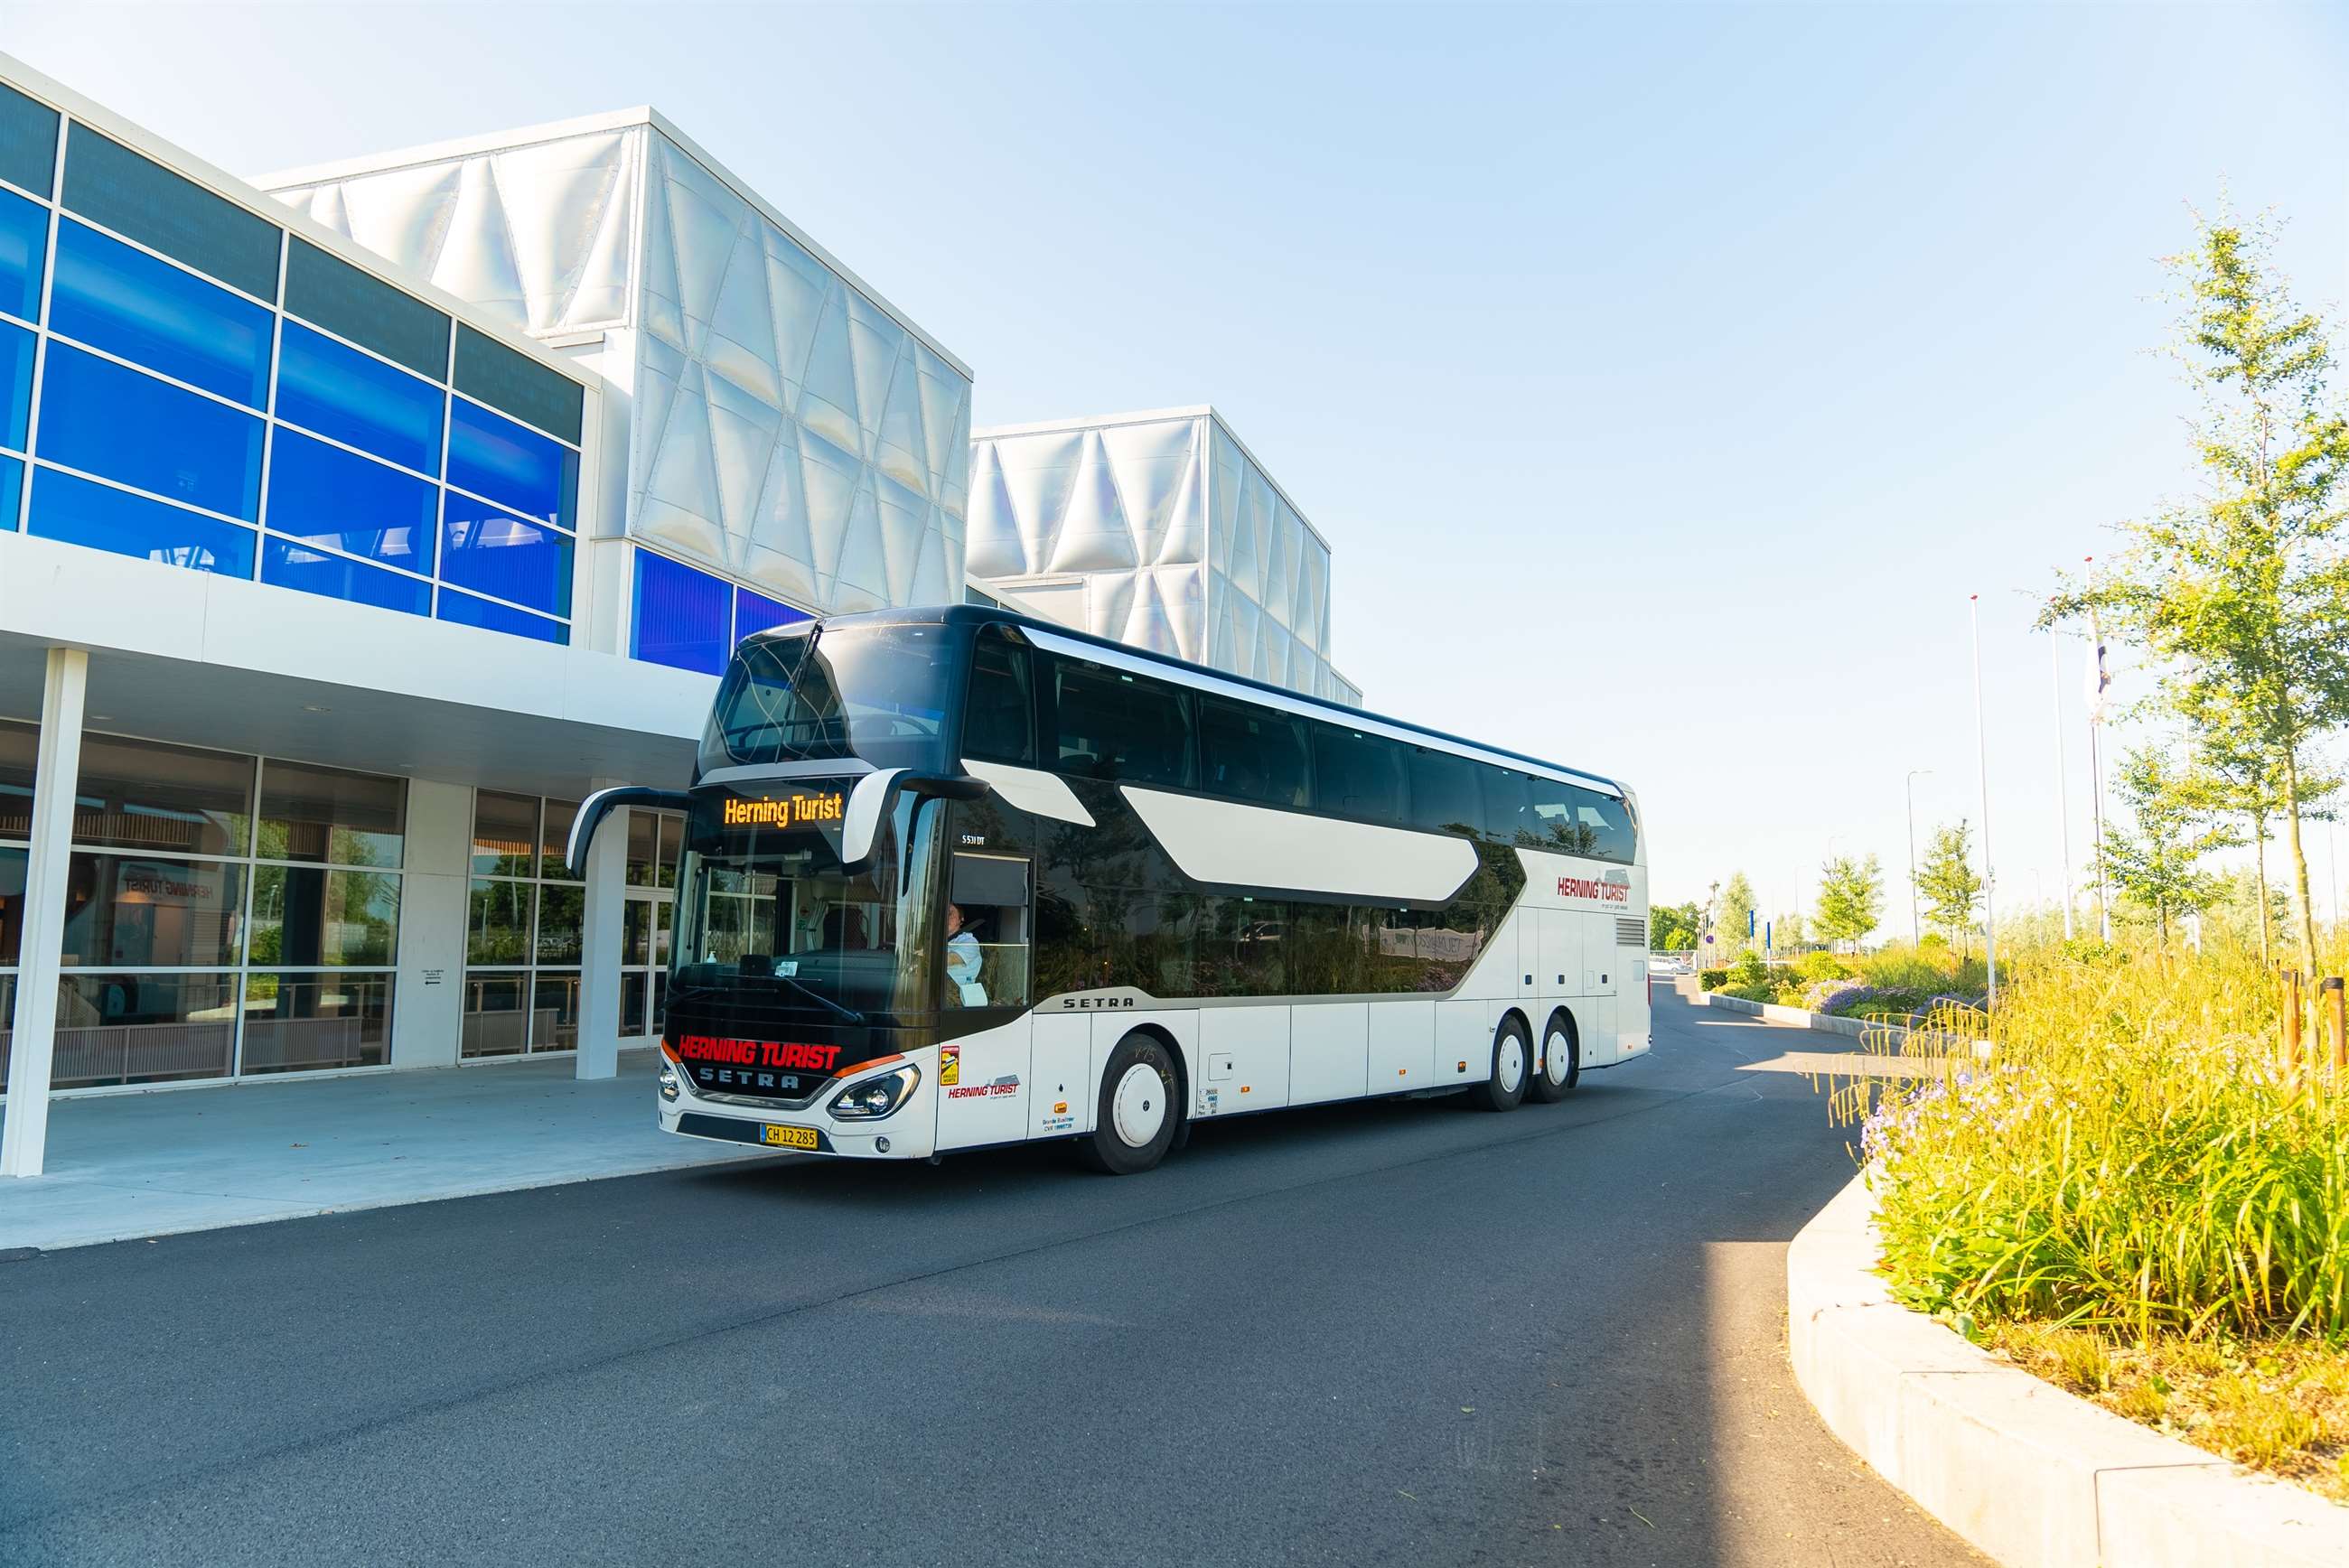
(1558, 1058)
(1512, 1064)
(1138, 1109)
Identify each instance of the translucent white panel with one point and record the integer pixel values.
(769, 398)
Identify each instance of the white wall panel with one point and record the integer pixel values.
(1328, 1051)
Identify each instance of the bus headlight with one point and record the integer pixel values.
(669, 1088)
(876, 1097)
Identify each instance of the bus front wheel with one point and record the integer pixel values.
(1134, 1123)
(1503, 1087)
(1560, 1066)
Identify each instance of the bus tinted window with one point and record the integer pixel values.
(1445, 795)
(1121, 726)
(999, 716)
(1574, 821)
(1508, 806)
(1253, 754)
(1359, 775)
(878, 693)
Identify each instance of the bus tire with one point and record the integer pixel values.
(1560, 1067)
(1503, 1087)
(1134, 1123)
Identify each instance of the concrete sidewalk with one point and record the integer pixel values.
(123, 1166)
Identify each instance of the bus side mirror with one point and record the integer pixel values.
(876, 795)
(602, 804)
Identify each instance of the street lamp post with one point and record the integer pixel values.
(1915, 930)
(1981, 760)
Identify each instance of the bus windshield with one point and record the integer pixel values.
(881, 693)
(768, 923)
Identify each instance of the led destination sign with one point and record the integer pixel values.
(786, 811)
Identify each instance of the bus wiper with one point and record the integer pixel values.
(849, 1014)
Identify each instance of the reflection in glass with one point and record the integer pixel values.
(329, 497)
(144, 795)
(632, 1003)
(494, 1023)
(644, 847)
(15, 384)
(493, 552)
(7, 1024)
(497, 922)
(104, 293)
(23, 243)
(142, 1028)
(304, 915)
(311, 813)
(504, 828)
(295, 1023)
(561, 909)
(101, 517)
(464, 610)
(121, 909)
(19, 747)
(11, 909)
(308, 571)
(496, 457)
(106, 419)
(672, 844)
(342, 393)
(555, 1014)
(555, 838)
(637, 931)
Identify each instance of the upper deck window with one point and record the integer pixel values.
(875, 694)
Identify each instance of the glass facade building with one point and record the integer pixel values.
(184, 381)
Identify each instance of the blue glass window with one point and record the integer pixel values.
(29, 141)
(336, 391)
(467, 611)
(365, 309)
(12, 493)
(128, 303)
(24, 241)
(757, 613)
(486, 550)
(15, 384)
(506, 378)
(328, 495)
(100, 418)
(491, 456)
(81, 512)
(680, 617)
(290, 565)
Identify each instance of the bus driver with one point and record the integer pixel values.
(963, 959)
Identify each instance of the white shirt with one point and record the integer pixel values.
(963, 959)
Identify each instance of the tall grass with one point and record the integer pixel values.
(2131, 1156)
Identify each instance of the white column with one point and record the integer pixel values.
(599, 958)
(24, 1138)
(428, 1000)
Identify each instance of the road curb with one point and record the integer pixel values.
(1802, 1018)
(2034, 1475)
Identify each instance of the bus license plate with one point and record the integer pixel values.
(790, 1137)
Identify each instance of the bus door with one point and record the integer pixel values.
(986, 976)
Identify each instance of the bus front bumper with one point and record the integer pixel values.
(908, 1132)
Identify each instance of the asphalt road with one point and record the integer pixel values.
(1406, 1333)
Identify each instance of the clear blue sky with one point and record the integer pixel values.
(1664, 377)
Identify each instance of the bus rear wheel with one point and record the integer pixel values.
(1134, 1124)
(1560, 1066)
(1503, 1087)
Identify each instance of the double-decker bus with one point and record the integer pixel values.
(956, 878)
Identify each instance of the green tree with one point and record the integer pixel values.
(1736, 911)
(2158, 867)
(1674, 927)
(2241, 592)
(1851, 898)
(1947, 882)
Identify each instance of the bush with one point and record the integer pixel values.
(1749, 969)
(1820, 966)
(2132, 1158)
(1712, 979)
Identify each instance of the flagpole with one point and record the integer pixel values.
(1982, 759)
(2062, 785)
(2095, 756)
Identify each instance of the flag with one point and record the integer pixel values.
(2100, 678)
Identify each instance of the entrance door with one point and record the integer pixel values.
(647, 917)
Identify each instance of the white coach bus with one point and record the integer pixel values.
(956, 878)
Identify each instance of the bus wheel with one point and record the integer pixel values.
(1504, 1088)
(1134, 1124)
(1560, 1066)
